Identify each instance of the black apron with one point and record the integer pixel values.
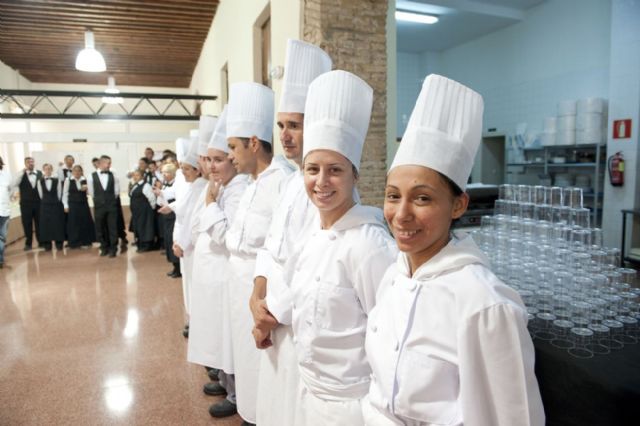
(51, 213)
(81, 230)
(142, 215)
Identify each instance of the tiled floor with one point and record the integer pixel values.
(88, 340)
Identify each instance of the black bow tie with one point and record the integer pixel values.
(168, 185)
(31, 173)
(104, 173)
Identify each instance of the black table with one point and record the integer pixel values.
(603, 390)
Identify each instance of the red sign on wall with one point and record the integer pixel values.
(622, 129)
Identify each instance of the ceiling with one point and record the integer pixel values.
(460, 21)
(144, 42)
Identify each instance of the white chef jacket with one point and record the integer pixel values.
(450, 346)
(334, 279)
(183, 209)
(245, 237)
(249, 229)
(65, 190)
(6, 186)
(48, 182)
(209, 324)
(291, 222)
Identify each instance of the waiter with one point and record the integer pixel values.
(64, 173)
(447, 341)
(25, 184)
(249, 134)
(5, 207)
(104, 187)
(52, 219)
(290, 221)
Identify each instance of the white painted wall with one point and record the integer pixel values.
(231, 41)
(624, 102)
(559, 51)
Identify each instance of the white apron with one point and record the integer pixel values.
(246, 355)
(279, 382)
(206, 306)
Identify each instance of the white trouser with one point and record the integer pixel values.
(279, 381)
(321, 412)
(228, 382)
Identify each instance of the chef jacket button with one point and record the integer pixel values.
(413, 286)
(318, 278)
(374, 328)
(332, 237)
(397, 346)
(393, 282)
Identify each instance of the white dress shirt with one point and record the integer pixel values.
(65, 190)
(48, 181)
(6, 186)
(104, 181)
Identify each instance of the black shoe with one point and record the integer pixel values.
(27, 248)
(213, 374)
(185, 331)
(246, 423)
(224, 408)
(214, 389)
(176, 274)
(171, 272)
(103, 252)
(112, 254)
(59, 248)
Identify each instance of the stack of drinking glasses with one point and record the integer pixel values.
(541, 243)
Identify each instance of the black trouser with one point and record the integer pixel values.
(106, 228)
(30, 212)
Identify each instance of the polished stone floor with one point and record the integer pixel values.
(88, 340)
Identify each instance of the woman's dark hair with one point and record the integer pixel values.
(455, 191)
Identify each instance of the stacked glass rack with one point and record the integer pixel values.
(540, 243)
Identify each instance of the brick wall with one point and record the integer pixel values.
(353, 32)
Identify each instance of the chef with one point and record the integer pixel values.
(200, 256)
(336, 273)
(184, 204)
(210, 330)
(52, 223)
(447, 341)
(290, 220)
(249, 134)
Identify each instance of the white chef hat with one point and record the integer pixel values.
(444, 130)
(218, 139)
(250, 111)
(337, 114)
(182, 148)
(192, 155)
(205, 130)
(304, 62)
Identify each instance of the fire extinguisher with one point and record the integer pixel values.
(615, 164)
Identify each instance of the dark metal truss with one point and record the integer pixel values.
(62, 101)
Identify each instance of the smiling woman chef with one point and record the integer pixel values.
(447, 341)
(334, 278)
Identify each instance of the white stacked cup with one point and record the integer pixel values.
(548, 135)
(542, 245)
(590, 122)
(566, 123)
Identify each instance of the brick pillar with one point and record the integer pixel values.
(353, 32)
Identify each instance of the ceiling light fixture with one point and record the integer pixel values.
(89, 59)
(112, 90)
(421, 18)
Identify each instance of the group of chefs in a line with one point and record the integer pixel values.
(314, 309)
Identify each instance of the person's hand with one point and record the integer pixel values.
(262, 318)
(165, 210)
(83, 188)
(213, 190)
(262, 338)
(177, 250)
(66, 209)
